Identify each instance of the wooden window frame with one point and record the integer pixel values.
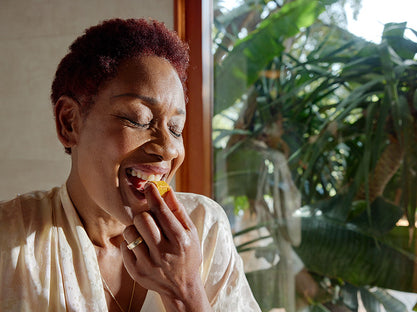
(192, 21)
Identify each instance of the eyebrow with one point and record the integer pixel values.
(147, 99)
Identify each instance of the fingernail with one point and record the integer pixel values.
(147, 186)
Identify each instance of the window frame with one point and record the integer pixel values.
(192, 21)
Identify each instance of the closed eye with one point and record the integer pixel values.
(176, 132)
(133, 123)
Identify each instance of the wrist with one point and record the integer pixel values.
(192, 297)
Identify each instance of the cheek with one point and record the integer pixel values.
(102, 150)
(114, 142)
(100, 158)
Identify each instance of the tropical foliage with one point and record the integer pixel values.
(308, 115)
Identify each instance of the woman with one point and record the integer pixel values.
(106, 239)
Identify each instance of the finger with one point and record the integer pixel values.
(148, 227)
(178, 210)
(170, 226)
(131, 234)
(150, 232)
(130, 262)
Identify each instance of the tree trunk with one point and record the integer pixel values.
(385, 168)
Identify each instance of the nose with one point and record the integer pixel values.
(164, 145)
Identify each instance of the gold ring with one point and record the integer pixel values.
(136, 242)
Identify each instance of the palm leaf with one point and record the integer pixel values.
(372, 298)
(343, 250)
(241, 67)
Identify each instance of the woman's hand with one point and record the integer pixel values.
(168, 261)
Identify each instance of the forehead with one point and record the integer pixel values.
(149, 78)
(149, 74)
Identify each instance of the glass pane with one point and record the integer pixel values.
(314, 148)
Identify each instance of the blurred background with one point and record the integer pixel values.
(34, 37)
(314, 148)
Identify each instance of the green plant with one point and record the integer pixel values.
(341, 113)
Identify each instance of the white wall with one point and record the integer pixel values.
(34, 36)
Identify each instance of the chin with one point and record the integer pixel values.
(134, 202)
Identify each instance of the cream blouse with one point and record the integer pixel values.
(48, 262)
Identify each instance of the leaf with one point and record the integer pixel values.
(370, 303)
(241, 67)
(382, 219)
(394, 34)
(339, 250)
(229, 132)
(349, 295)
(319, 308)
(241, 172)
(241, 203)
(264, 287)
(390, 303)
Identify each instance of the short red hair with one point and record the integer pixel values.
(95, 57)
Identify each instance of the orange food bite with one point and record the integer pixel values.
(162, 186)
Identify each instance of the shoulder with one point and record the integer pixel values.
(193, 201)
(26, 245)
(222, 269)
(30, 203)
(203, 209)
(31, 197)
(27, 211)
(212, 225)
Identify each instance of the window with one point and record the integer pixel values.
(314, 151)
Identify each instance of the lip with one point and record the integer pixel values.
(136, 189)
(137, 184)
(151, 169)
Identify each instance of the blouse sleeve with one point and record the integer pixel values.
(222, 268)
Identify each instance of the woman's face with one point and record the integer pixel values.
(131, 134)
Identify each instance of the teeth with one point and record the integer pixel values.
(144, 176)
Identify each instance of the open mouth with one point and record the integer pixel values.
(138, 179)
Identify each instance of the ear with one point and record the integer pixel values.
(67, 120)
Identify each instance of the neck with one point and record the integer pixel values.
(103, 230)
(104, 233)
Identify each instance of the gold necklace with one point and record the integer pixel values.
(114, 298)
